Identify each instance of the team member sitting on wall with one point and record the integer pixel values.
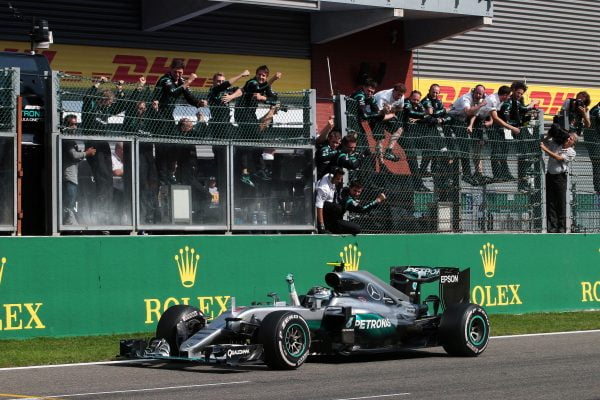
(349, 202)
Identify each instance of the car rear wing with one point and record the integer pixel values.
(454, 284)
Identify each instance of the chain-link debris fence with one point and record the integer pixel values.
(8, 99)
(446, 177)
(584, 181)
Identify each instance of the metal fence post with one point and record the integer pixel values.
(17, 173)
(52, 126)
(340, 112)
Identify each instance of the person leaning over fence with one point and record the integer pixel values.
(219, 104)
(591, 138)
(389, 101)
(326, 193)
(515, 113)
(327, 153)
(435, 138)
(98, 106)
(171, 87)
(71, 157)
(495, 132)
(256, 90)
(412, 139)
(349, 202)
(367, 110)
(559, 158)
(463, 109)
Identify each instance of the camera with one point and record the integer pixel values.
(558, 134)
(574, 105)
(280, 107)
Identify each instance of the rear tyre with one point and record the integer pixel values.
(177, 324)
(285, 338)
(464, 330)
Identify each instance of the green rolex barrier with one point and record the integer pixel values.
(72, 286)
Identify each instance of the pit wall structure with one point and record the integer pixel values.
(77, 286)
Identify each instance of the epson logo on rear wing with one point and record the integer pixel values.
(449, 279)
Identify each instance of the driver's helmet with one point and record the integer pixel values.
(319, 292)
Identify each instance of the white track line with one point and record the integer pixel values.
(79, 364)
(376, 396)
(544, 334)
(130, 391)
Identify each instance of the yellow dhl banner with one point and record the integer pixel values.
(551, 97)
(129, 64)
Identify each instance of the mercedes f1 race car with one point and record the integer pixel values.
(356, 313)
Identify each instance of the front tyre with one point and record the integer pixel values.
(464, 330)
(285, 338)
(177, 324)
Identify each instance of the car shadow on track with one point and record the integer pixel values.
(373, 357)
(194, 367)
(190, 366)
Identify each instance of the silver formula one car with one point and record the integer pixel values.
(356, 313)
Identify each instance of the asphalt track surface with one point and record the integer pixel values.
(554, 366)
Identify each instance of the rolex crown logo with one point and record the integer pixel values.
(2, 267)
(350, 257)
(187, 264)
(488, 257)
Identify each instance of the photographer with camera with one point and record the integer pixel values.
(559, 157)
(515, 113)
(574, 114)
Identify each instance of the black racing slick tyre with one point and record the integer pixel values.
(177, 324)
(464, 330)
(285, 338)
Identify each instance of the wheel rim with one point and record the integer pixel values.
(477, 330)
(295, 340)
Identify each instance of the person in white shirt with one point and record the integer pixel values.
(118, 183)
(327, 187)
(463, 109)
(394, 97)
(559, 157)
(491, 119)
(389, 101)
